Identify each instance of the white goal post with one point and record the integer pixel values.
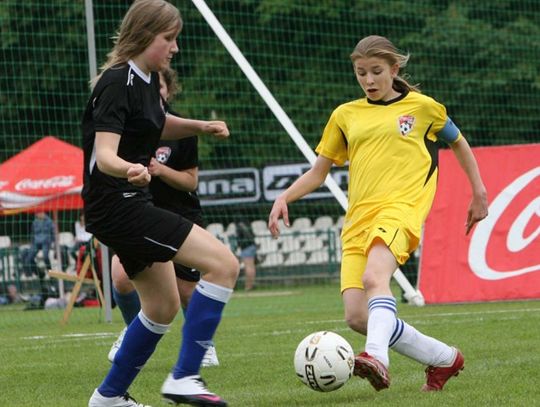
(413, 296)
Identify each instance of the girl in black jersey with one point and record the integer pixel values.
(122, 124)
(175, 174)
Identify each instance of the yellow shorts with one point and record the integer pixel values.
(355, 251)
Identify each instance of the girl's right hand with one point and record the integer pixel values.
(279, 210)
(138, 175)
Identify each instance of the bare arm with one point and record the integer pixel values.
(307, 183)
(178, 127)
(183, 180)
(108, 162)
(478, 208)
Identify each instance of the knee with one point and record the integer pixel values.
(373, 280)
(164, 312)
(357, 323)
(120, 281)
(231, 266)
(228, 269)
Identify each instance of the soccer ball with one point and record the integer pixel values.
(324, 361)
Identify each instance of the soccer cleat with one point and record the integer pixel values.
(437, 376)
(189, 390)
(97, 400)
(367, 367)
(116, 345)
(210, 357)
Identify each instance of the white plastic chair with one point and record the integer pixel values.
(323, 223)
(272, 259)
(295, 258)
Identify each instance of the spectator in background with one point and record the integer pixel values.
(81, 236)
(248, 253)
(42, 238)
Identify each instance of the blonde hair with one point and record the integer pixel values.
(381, 47)
(144, 20)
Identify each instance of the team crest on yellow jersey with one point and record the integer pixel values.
(405, 124)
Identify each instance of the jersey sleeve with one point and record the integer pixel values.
(333, 144)
(443, 126)
(188, 153)
(111, 108)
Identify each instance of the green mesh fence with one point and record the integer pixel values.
(479, 58)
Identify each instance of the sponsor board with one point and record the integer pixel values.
(249, 185)
(500, 259)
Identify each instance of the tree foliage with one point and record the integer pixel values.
(478, 58)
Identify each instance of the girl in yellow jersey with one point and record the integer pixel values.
(389, 139)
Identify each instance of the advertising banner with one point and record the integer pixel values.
(500, 258)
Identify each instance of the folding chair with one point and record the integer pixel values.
(88, 264)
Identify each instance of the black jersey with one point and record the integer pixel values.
(179, 155)
(127, 102)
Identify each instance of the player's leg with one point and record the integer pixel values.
(370, 311)
(186, 280)
(443, 361)
(126, 298)
(159, 305)
(124, 292)
(249, 271)
(219, 268)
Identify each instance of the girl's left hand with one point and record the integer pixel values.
(478, 210)
(154, 168)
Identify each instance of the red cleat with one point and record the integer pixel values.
(367, 367)
(437, 376)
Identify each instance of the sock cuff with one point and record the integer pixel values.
(214, 291)
(152, 326)
(382, 301)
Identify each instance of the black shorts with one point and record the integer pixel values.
(186, 273)
(194, 215)
(141, 234)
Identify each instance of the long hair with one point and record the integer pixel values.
(171, 80)
(381, 47)
(144, 20)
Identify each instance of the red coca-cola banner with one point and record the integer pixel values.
(500, 259)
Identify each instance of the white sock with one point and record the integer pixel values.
(381, 322)
(410, 342)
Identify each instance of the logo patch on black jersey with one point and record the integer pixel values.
(163, 154)
(405, 124)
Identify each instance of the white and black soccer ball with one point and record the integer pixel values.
(324, 361)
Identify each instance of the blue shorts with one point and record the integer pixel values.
(249, 251)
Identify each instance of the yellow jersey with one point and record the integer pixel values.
(392, 153)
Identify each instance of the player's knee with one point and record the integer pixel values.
(357, 323)
(231, 266)
(372, 280)
(169, 310)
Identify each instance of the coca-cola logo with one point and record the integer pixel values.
(59, 181)
(516, 212)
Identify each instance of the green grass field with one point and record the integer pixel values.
(46, 364)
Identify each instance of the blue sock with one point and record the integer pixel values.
(202, 319)
(138, 345)
(129, 304)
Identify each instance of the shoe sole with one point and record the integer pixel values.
(193, 401)
(368, 370)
